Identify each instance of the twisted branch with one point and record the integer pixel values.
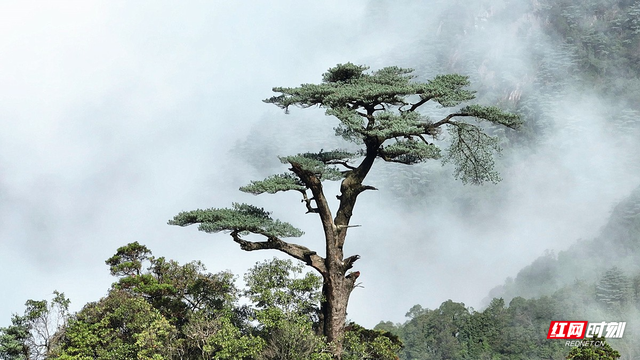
(299, 252)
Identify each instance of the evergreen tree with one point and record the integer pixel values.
(614, 289)
(379, 112)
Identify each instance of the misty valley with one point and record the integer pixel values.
(493, 148)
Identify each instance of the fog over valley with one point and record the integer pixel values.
(117, 116)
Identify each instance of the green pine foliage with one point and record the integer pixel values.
(348, 84)
(614, 289)
(243, 218)
(128, 259)
(409, 152)
(469, 139)
(310, 163)
(377, 105)
(492, 114)
(273, 184)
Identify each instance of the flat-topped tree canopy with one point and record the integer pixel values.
(318, 164)
(375, 110)
(347, 85)
(241, 218)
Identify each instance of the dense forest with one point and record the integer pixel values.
(160, 309)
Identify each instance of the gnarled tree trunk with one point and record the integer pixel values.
(336, 291)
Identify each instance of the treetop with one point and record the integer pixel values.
(347, 85)
(379, 109)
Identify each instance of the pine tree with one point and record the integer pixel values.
(379, 112)
(614, 289)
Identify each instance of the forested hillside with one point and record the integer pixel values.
(593, 280)
(542, 59)
(577, 47)
(618, 245)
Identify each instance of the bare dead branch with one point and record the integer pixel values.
(346, 226)
(348, 262)
(351, 279)
(307, 202)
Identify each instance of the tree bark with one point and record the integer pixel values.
(337, 283)
(336, 290)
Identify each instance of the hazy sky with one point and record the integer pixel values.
(118, 115)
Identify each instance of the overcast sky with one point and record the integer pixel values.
(118, 115)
